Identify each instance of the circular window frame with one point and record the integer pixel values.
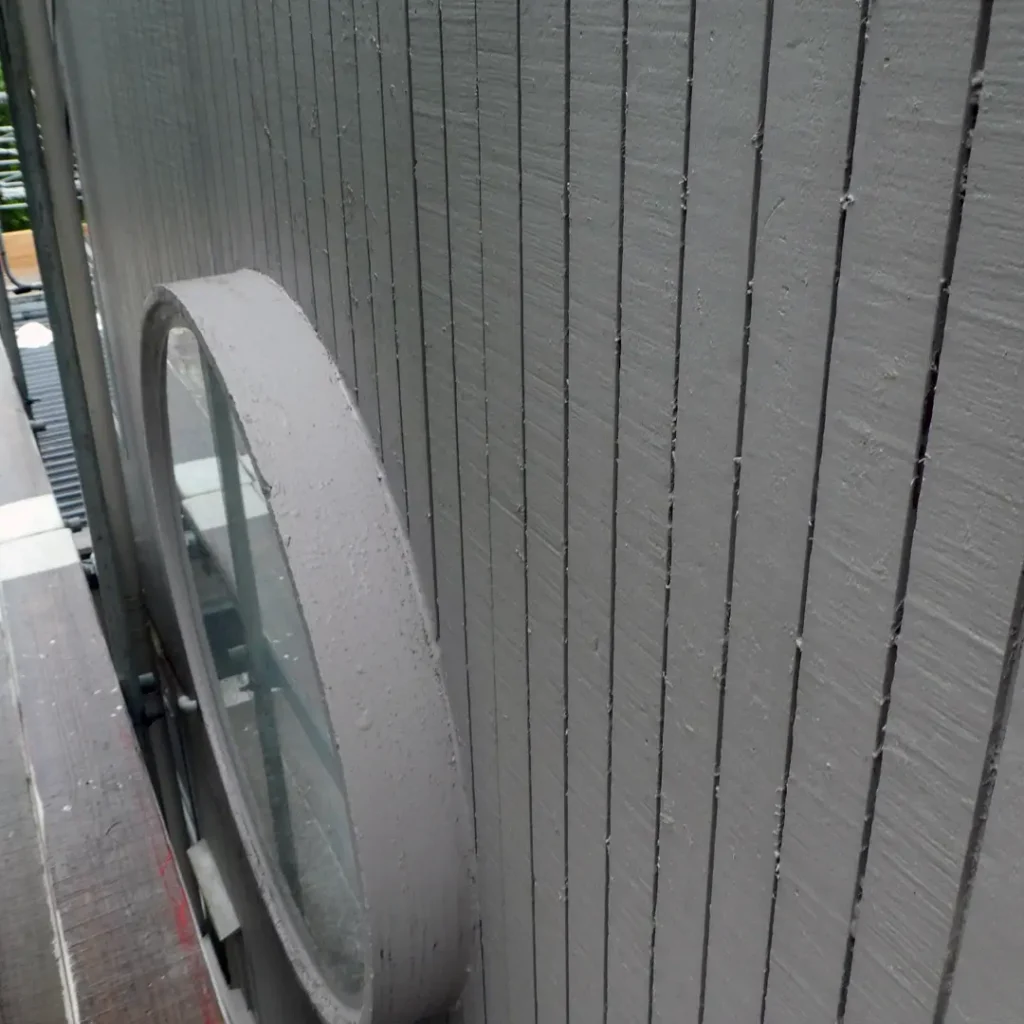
(390, 720)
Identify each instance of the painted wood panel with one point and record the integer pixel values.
(964, 570)
(397, 97)
(811, 63)
(983, 343)
(580, 262)
(544, 83)
(723, 119)
(352, 171)
(499, 127)
(655, 138)
(916, 66)
(373, 150)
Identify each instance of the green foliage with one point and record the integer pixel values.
(11, 220)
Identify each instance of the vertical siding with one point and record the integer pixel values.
(810, 63)
(643, 304)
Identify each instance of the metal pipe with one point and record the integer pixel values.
(40, 128)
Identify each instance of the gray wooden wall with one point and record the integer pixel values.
(644, 301)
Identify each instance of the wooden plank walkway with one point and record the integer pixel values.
(97, 926)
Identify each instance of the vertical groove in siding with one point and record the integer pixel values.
(808, 59)
(654, 158)
(310, 133)
(844, 202)
(544, 80)
(242, 113)
(373, 149)
(350, 135)
(430, 188)
(719, 919)
(498, 119)
(613, 569)
(327, 218)
(242, 169)
(228, 250)
(293, 154)
(258, 57)
(202, 116)
(268, 56)
(139, 48)
(595, 153)
(907, 138)
(653, 990)
(257, 123)
(403, 499)
(342, 343)
(566, 282)
(397, 109)
(712, 311)
(977, 440)
(457, 28)
(910, 797)
(192, 187)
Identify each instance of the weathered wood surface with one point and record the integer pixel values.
(96, 923)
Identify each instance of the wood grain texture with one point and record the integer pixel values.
(964, 573)
(292, 184)
(975, 458)
(811, 67)
(916, 63)
(260, 130)
(350, 158)
(338, 336)
(311, 134)
(397, 97)
(30, 981)
(263, 54)
(241, 172)
(185, 158)
(431, 179)
(654, 160)
(214, 169)
(544, 40)
(727, 48)
(374, 155)
(129, 937)
(470, 373)
(498, 78)
(595, 106)
(238, 79)
(30, 984)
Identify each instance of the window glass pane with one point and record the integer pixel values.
(268, 695)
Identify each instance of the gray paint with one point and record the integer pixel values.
(498, 128)
(799, 209)
(916, 67)
(544, 81)
(501, 125)
(656, 136)
(987, 984)
(595, 147)
(935, 753)
(380, 668)
(469, 368)
(723, 120)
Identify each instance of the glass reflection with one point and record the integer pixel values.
(268, 693)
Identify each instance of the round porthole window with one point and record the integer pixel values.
(316, 677)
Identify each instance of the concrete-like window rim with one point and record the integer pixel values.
(357, 586)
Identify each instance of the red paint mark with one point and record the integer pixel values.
(167, 870)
